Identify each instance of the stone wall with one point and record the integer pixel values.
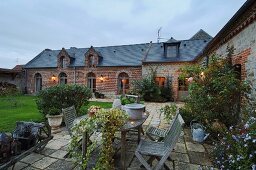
(244, 53)
(108, 86)
(164, 70)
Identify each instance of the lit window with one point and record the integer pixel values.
(160, 81)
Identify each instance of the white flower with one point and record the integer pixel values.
(246, 126)
(250, 156)
(231, 127)
(253, 167)
(254, 141)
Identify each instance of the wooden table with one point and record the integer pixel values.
(130, 125)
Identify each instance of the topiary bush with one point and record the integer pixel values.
(62, 96)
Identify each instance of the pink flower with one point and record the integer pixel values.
(190, 79)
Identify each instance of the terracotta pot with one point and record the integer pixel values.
(54, 121)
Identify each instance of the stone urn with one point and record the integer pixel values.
(117, 104)
(55, 122)
(134, 110)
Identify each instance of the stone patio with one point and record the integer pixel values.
(187, 155)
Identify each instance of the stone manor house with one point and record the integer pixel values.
(110, 70)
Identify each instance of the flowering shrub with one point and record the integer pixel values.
(237, 149)
(109, 121)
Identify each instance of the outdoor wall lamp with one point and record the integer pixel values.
(101, 78)
(53, 78)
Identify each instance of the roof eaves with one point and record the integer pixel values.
(229, 24)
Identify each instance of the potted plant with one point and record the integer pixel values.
(54, 117)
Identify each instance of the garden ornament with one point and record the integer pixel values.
(198, 131)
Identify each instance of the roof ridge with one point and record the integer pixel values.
(201, 35)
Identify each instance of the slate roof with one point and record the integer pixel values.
(123, 55)
(188, 51)
(201, 35)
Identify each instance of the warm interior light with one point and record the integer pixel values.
(101, 78)
(53, 78)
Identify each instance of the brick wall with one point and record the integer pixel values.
(165, 70)
(79, 76)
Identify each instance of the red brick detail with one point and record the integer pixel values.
(79, 76)
(241, 58)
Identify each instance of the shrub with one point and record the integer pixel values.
(166, 92)
(150, 91)
(54, 111)
(187, 115)
(7, 89)
(126, 100)
(147, 88)
(215, 92)
(62, 96)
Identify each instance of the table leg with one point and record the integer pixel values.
(139, 133)
(84, 143)
(123, 149)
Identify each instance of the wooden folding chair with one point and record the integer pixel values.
(160, 150)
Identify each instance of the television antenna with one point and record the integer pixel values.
(159, 35)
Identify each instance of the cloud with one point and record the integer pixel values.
(29, 26)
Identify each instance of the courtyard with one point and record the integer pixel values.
(186, 155)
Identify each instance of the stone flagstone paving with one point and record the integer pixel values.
(187, 154)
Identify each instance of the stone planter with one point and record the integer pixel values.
(134, 110)
(55, 122)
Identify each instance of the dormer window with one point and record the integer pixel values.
(172, 51)
(171, 48)
(92, 61)
(63, 59)
(92, 57)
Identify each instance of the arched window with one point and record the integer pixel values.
(62, 62)
(62, 78)
(123, 83)
(91, 81)
(38, 82)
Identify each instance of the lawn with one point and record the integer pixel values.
(23, 108)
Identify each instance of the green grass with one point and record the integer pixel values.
(23, 108)
(18, 108)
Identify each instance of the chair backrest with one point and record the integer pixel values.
(69, 117)
(173, 134)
